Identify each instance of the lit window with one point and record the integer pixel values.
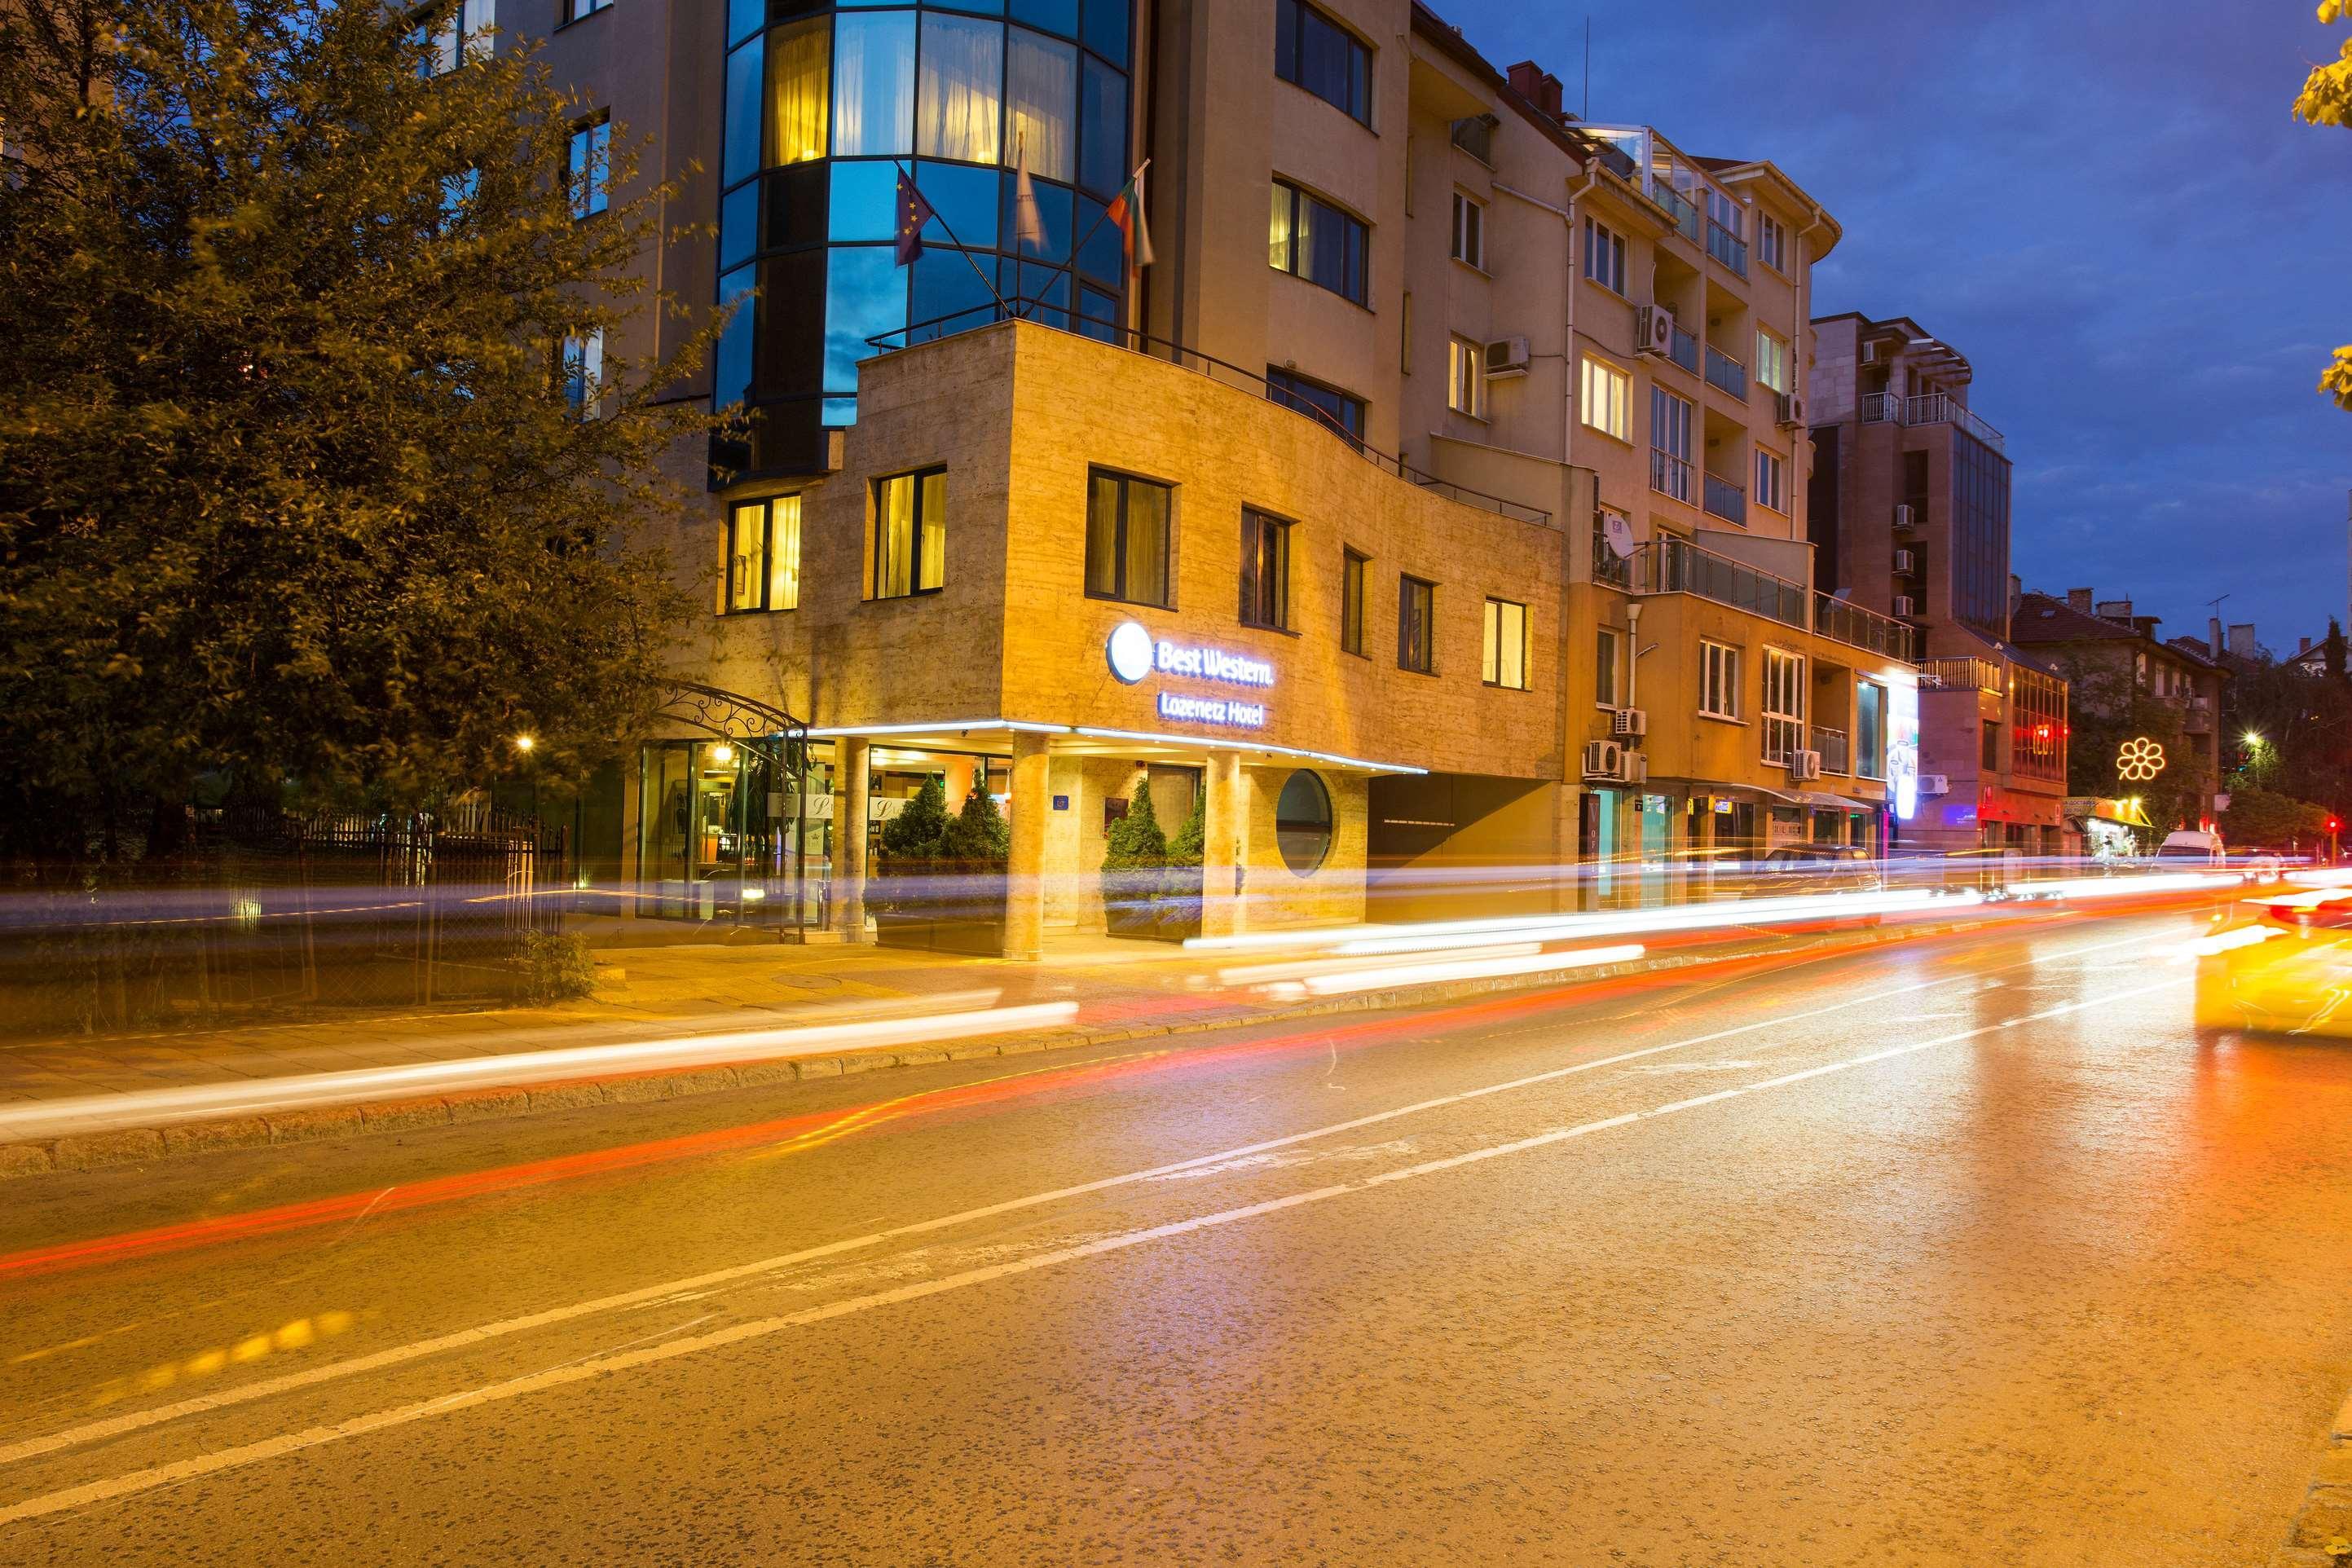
(591, 166)
(1127, 538)
(910, 534)
(1266, 571)
(1784, 704)
(1351, 602)
(1314, 52)
(960, 89)
(800, 91)
(1469, 231)
(762, 548)
(1771, 245)
(1506, 662)
(1604, 256)
(1772, 359)
(1771, 481)
(1315, 240)
(1718, 680)
(1608, 399)
(1416, 625)
(1466, 386)
(583, 372)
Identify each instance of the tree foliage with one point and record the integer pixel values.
(2107, 708)
(2260, 817)
(2326, 99)
(2303, 725)
(978, 831)
(291, 484)
(914, 834)
(1135, 841)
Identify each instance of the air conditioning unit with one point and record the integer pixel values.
(1935, 783)
(1791, 410)
(1907, 562)
(1804, 766)
(1507, 356)
(1604, 759)
(1906, 516)
(1628, 723)
(1906, 607)
(1632, 767)
(1654, 330)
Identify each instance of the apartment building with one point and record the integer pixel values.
(1431, 505)
(1910, 515)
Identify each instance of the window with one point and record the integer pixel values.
(961, 84)
(1351, 602)
(1416, 627)
(874, 86)
(1604, 256)
(1772, 359)
(1608, 399)
(800, 91)
(1989, 755)
(575, 9)
(910, 534)
(1302, 822)
(1505, 659)
(591, 165)
(1771, 245)
(1312, 51)
(1784, 705)
(1475, 136)
(1316, 241)
(1670, 443)
(763, 555)
(1469, 231)
(1718, 680)
(1729, 214)
(1605, 641)
(1771, 481)
(1465, 385)
(1040, 104)
(1870, 730)
(462, 33)
(1266, 571)
(584, 370)
(1327, 406)
(1128, 538)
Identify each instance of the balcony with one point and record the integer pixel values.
(1684, 352)
(1680, 209)
(1940, 408)
(1867, 629)
(1725, 374)
(1670, 475)
(1725, 500)
(2197, 716)
(1676, 566)
(1727, 247)
(1961, 675)
(1881, 408)
(1836, 756)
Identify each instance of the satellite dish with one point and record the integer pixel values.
(1619, 532)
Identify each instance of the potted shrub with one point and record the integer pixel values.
(1180, 897)
(938, 880)
(1134, 861)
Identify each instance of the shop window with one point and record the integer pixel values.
(763, 555)
(1314, 52)
(1506, 662)
(1604, 666)
(1351, 602)
(1316, 241)
(1302, 823)
(1266, 571)
(1416, 625)
(1870, 730)
(591, 165)
(1128, 539)
(1718, 680)
(910, 534)
(799, 93)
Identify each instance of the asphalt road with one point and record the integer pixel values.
(1960, 1251)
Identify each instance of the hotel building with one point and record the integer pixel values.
(1433, 506)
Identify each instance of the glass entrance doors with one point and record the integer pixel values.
(715, 834)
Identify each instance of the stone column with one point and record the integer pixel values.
(1225, 848)
(1025, 902)
(853, 755)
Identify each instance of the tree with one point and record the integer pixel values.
(2326, 99)
(2108, 709)
(914, 834)
(1135, 841)
(979, 831)
(1189, 846)
(2257, 817)
(2331, 652)
(307, 473)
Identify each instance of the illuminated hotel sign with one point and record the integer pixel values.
(1134, 653)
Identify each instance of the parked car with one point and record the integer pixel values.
(2288, 971)
(1792, 868)
(2191, 847)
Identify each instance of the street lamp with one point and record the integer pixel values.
(523, 743)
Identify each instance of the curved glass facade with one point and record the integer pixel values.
(822, 106)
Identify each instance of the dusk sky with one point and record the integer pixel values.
(2105, 206)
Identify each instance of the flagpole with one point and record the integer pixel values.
(1103, 216)
(986, 281)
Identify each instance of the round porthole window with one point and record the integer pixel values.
(1302, 823)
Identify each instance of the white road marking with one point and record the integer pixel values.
(462, 1339)
(611, 1363)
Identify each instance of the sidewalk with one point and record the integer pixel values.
(91, 1101)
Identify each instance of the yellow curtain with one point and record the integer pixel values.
(799, 90)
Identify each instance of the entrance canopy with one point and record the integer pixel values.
(993, 737)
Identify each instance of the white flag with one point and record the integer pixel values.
(1028, 226)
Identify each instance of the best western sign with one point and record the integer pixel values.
(1134, 653)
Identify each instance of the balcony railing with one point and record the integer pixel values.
(1723, 371)
(1961, 675)
(1725, 500)
(1836, 756)
(1942, 408)
(1608, 566)
(1684, 351)
(1727, 247)
(1676, 566)
(1061, 318)
(1881, 408)
(1670, 475)
(1857, 627)
(1679, 207)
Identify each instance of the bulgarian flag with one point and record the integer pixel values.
(1127, 211)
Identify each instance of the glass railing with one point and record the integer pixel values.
(1849, 623)
(1940, 408)
(1725, 499)
(1949, 674)
(1670, 475)
(1727, 247)
(1723, 371)
(1831, 744)
(1676, 566)
(1684, 351)
(1679, 207)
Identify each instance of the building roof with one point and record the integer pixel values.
(2196, 650)
(2041, 619)
(1450, 42)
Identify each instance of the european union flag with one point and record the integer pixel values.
(913, 212)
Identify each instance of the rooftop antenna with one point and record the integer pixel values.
(1587, 113)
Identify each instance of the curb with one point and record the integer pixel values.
(2324, 1518)
(80, 1151)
